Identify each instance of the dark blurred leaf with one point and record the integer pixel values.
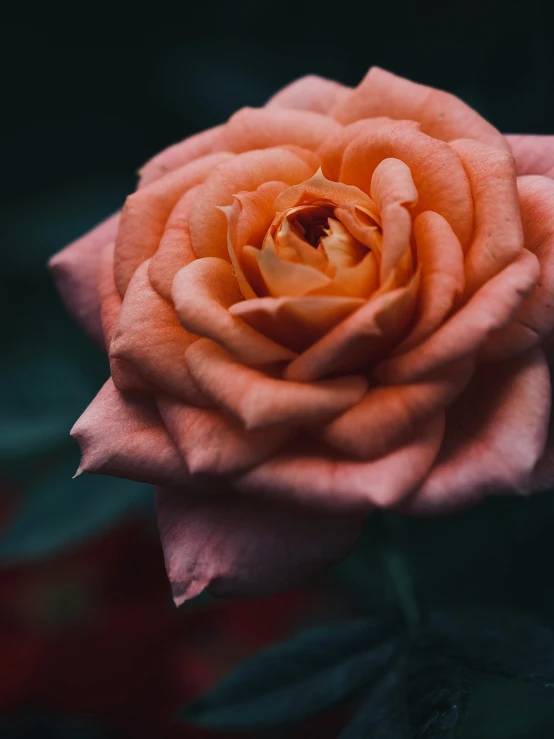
(498, 642)
(298, 678)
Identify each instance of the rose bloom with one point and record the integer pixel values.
(336, 302)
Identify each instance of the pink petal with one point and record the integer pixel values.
(441, 114)
(237, 546)
(123, 436)
(534, 154)
(202, 293)
(212, 443)
(260, 401)
(75, 272)
(496, 433)
(315, 477)
(309, 93)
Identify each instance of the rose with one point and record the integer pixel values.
(336, 302)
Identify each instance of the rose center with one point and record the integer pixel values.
(312, 223)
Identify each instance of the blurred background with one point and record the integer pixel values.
(90, 642)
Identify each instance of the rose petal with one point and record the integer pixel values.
(179, 154)
(149, 336)
(496, 432)
(202, 294)
(315, 477)
(237, 546)
(208, 225)
(437, 171)
(441, 114)
(309, 93)
(534, 321)
(212, 443)
(318, 187)
(441, 262)
(389, 416)
(146, 211)
(75, 272)
(295, 322)
(498, 236)
(362, 338)
(123, 436)
(259, 401)
(533, 154)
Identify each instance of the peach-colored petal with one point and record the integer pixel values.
(208, 225)
(238, 546)
(389, 416)
(295, 322)
(441, 114)
(146, 211)
(284, 278)
(75, 272)
(437, 171)
(361, 339)
(534, 321)
(315, 477)
(179, 154)
(318, 187)
(212, 443)
(260, 401)
(123, 436)
(533, 154)
(441, 262)
(496, 432)
(175, 250)
(491, 308)
(498, 236)
(309, 93)
(149, 336)
(262, 128)
(202, 294)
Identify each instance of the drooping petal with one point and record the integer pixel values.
(441, 114)
(211, 442)
(362, 338)
(534, 321)
(260, 401)
(238, 546)
(491, 308)
(498, 236)
(75, 272)
(533, 154)
(316, 477)
(389, 416)
(208, 225)
(495, 434)
(309, 93)
(149, 336)
(436, 168)
(295, 322)
(146, 211)
(202, 294)
(123, 436)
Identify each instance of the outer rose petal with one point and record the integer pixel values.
(534, 154)
(317, 478)
(260, 401)
(309, 93)
(75, 272)
(150, 337)
(496, 432)
(441, 114)
(534, 322)
(123, 436)
(211, 442)
(238, 546)
(146, 211)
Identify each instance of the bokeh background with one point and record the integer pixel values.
(90, 642)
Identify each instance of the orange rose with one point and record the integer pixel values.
(335, 302)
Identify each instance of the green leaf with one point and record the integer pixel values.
(297, 679)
